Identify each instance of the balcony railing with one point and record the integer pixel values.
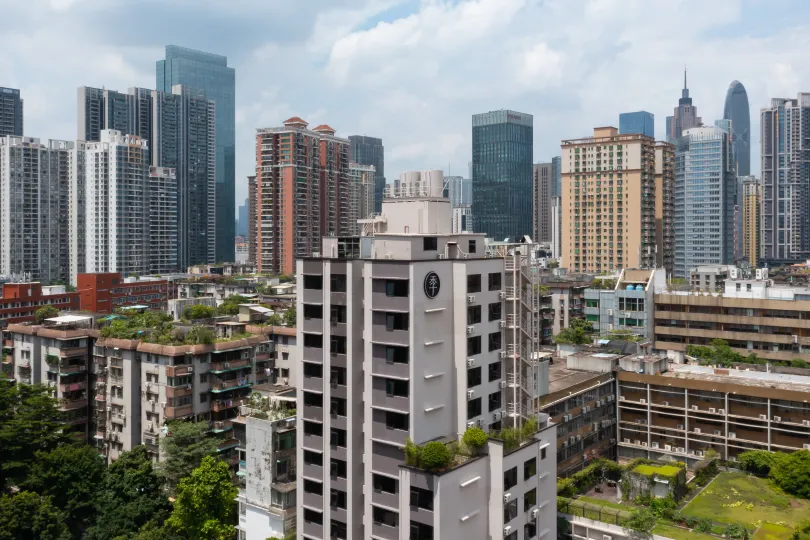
(220, 367)
(222, 386)
(219, 405)
(69, 404)
(72, 387)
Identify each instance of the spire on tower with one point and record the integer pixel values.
(684, 76)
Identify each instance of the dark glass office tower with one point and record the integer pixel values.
(502, 143)
(11, 112)
(736, 109)
(209, 73)
(370, 151)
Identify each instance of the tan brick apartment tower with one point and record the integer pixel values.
(751, 215)
(608, 202)
(664, 205)
(302, 192)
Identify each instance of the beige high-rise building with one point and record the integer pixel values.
(608, 202)
(752, 213)
(664, 205)
(361, 194)
(542, 178)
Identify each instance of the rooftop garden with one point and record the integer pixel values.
(156, 327)
(719, 353)
(652, 469)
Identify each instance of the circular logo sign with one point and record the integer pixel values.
(432, 284)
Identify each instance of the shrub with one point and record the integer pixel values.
(759, 461)
(475, 438)
(45, 312)
(663, 507)
(690, 522)
(510, 438)
(565, 487)
(704, 525)
(198, 311)
(736, 530)
(642, 521)
(412, 453)
(435, 455)
(792, 473)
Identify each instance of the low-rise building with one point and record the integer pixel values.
(177, 306)
(710, 277)
(629, 305)
(21, 301)
(106, 292)
(219, 288)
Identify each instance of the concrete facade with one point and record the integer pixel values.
(752, 220)
(542, 180)
(629, 305)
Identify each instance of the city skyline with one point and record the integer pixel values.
(553, 75)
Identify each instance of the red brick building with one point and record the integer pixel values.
(104, 293)
(21, 300)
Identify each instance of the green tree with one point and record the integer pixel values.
(230, 306)
(802, 531)
(204, 509)
(275, 320)
(552, 264)
(475, 439)
(737, 530)
(45, 312)
(30, 421)
(70, 477)
(792, 473)
(579, 332)
(760, 461)
(290, 317)
(29, 516)
(435, 455)
(198, 311)
(200, 335)
(642, 521)
(131, 497)
(184, 448)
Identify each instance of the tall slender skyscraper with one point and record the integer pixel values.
(209, 73)
(370, 151)
(752, 218)
(252, 219)
(542, 179)
(785, 180)
(637, 122)
(11, 112)
(685, 115)
(737, 111)
(502, 145)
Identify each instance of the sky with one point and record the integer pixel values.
(413, 72)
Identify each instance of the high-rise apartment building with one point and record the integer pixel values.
(370, 151)
(161, 220)
(736, 110)
(361, 194)
(665, 205)
(704, 198)
(608, 202)
(209, 76)
(502, 146)
(542, 180)
(642, 122)
(241, 223)
(684, 117)
(34, 227)
(556, 176)
(462, 218)
(556, 227)
(11, 112)
(302, 192)
(252, 219)
(751, 218)
(785, 180)
(407, 340)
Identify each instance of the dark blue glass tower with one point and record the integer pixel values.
(736, 109)
(210, 74)
(637, 122)
(502, 147)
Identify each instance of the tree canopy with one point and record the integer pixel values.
(29, 516)
(290, 317)
(204, 509)
(45, 312)
(230, 306)
(579, 332)
(719, 353)
(184, 448)
(198, 311)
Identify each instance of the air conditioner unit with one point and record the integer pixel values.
(565, 444)
(470, 424)
(679, 426)
(470, 298)
(610, 397)
(665, 403)
(621, 398)
(503, 354)
(699, 453)
(697, 430)
(567, 418)
(470, 330)
(190, 369)
(506, 530)
(586, 409)
(654, 445)
(721, 411)
(806, 422)
(227, 365)
(691, 452)
(777, 418)
(596, 426)
(502, 324)
(642, 401)
(763, 416)
(503, 384)
(712, 409)
(694, 407)
(607, 537)
(496, 416)
(644, 443)
(163, 404)
(718, 432)
(535, 512)
(440, 256)
(507, 496)
(470, 394)
(610, 312)
(637, 442)
(502, 295)
(732, 435)
(668, 447)
(626, 441)
(470, 362)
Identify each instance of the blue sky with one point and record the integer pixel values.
(414, 71)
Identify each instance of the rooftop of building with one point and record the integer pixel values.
(775, 381)
(561, 378)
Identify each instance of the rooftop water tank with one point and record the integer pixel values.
(639, 288)
(629, 287)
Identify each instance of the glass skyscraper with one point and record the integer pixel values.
(502, 148)
(705, 191)
(637, 122)
(556, 176)
(210, 74)
(11, 112)
(370, 151)
(737, 111)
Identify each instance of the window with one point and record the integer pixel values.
(311, 516)
(471, 247)
(314, 341)
(313, 458)
(494, 371)
(337, 468)
(530, 530)
(337, 283)
(311, 399)
(738, 287)
(420, 531)
(337, 529)
(337, 345)
(396, 388)
(473, 314)
(337, 376)
(473, 408)
(510, 479)
(337, 437)
(396, 321)
(313, 370)
(313, 282)
(396, 287)
(474, 283)
(337, 314)
(396, 355)
(337, 406)
(543, 453)
(495, 281)
(494, 401)
(495, 310)
(203, 398)
(311, 486)
(384, 484)
(529, 499)
(430, 243)
(530, 468)
(510, 511)
(494, 341)
(381, 516)
(473, 345)
(337, 498)
(313, 429)
(313, 311)
(395, 420)
(748, 287)
(421, 498)
(473, 377)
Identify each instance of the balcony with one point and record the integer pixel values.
(70, 369)
(179, 412)
(70, 404)
(177, 371)
(73, 387)
(179, 391)
(219, 405)
(72, 352)
(222, 367)
(218, 386)
(220, 426)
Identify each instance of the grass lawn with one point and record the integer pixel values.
(663, 470)
(741, 498)
(677, 533)
(771, 531)
(607, 504)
